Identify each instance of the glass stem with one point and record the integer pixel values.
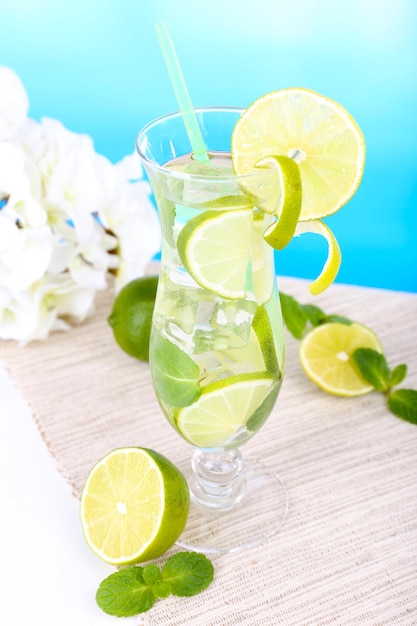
(217, 481)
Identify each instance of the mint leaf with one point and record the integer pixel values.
(338, 318)
(297, 315)
(398, 374)
(313, 313)
(175, 374)
(161, 589)
(373, 367)
(403, 403)
(151, 574)
(125, 593)
(188, 573)
(294, 317)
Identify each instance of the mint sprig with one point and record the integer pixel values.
(300, 318)
(373, 368)
(371, 365)
(135, 589)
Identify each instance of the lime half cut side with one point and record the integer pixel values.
(134, 506)
(326, 357)
(224, 408)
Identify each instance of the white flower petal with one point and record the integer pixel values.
(53, 304)
(62, 254)
(75, 183)
(25, 258)
(31, 139)
(130, 167)
(9, 234)
(85, 275)
(73, 302)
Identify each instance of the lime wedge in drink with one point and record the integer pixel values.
(263, 330)
(261, 349)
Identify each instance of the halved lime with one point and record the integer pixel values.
(223, 409)
(134, 506)
(326, 357)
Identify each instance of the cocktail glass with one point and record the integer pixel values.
(217, 342)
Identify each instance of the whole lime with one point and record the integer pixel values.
(131, 316)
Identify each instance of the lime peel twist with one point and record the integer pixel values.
(279, 234)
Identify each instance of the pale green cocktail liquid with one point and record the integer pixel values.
(222, 337)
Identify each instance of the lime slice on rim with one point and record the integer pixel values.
(134, 506)
(316, 132)
(223, 409)
(326, 357)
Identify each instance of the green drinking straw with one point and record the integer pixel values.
(181, 92)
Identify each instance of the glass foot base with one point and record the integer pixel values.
(257, 516)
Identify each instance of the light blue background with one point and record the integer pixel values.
(96, 66)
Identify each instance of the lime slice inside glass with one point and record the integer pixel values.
(223, 409)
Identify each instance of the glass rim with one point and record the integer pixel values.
(185, 175)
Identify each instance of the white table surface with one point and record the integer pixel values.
(49, 575)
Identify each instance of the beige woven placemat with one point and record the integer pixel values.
(347, 553)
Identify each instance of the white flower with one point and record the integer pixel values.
(51, 304)
(25, 254)
(72, 177)
(92, 261)
(68, 217)
(131, 216)
(16, 188)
